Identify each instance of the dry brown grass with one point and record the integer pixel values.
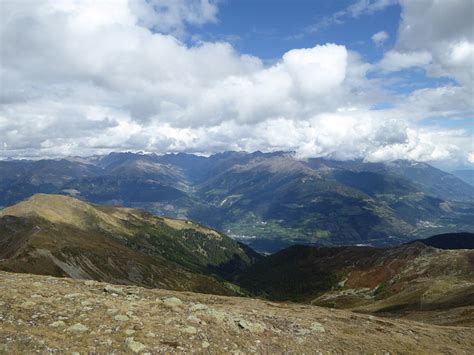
(29, 306)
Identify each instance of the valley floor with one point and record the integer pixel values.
(42, 313)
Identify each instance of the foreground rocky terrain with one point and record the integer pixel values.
(44, 313)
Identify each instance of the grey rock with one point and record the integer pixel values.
(173, 302)
(190, 330)
(317, 327)
(134, 346)
(58, 324)
(251, 326)
(77, 328)
(114, 290)
(198, 307)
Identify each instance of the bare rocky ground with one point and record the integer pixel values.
(47, 314)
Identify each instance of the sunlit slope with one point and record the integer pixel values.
(63, 236)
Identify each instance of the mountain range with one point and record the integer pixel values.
(467, 175)
(266, 200)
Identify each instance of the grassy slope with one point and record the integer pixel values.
(66, 237)
(409, 278)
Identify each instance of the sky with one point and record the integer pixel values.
(344, 79)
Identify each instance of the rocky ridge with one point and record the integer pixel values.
(48, 314)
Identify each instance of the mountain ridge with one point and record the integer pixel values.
(449, 241)
(409, 280)
(263, 199)
(62, 236)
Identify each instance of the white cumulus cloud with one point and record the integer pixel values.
(437, 35)
(380, 37)
(84, 77)
(394, 61)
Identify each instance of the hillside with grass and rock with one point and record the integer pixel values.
(49, 314)
(62, 236)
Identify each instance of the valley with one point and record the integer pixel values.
(266, 200)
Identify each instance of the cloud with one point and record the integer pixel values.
(316, 70)
(394, 61)
(441, 28)
(88, 77)
(379, 38)
(172, 16)
(470, 158)
(355, 10)
(365, 7)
